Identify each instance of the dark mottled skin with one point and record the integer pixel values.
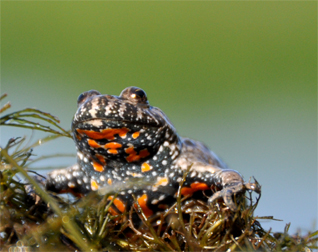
(121, 137)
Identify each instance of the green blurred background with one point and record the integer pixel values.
(239, 76)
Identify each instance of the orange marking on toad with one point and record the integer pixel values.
(145, 167)
(108, 134)
(101, 158)
(133, 154)
(78, 137)
(118, 203)
(121, 206)
(112, 211)
(162, 182)
(136, 134)
(197, 186)
(92, 143)
(142, 201)
(144, 153)
(98, 167)
(113, 145)
(112, 151)
(94, 185)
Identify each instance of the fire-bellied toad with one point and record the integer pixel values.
(121, 137)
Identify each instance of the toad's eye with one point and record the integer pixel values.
(84, 96)
(134, 94)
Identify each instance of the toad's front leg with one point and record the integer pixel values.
(231, 184)
(69, 180)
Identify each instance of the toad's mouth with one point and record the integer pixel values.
(102, 123)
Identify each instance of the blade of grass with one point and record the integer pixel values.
(5, 107)
(37, 126)
(3, 96)
(180, 214)
(16, 119)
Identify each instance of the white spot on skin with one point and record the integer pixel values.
(171, 175)
(94, 109)
(162, 197)
(85, 179)
(122, 110)
(83, 109)
(108, 109)
(76, 174)
(80, 155)
(154, 201)
(173, 157)
(96, 123)
(193, 174)
(139, 114)
(70, 184)
(164, 162)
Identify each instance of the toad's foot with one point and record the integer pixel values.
(234, 189)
